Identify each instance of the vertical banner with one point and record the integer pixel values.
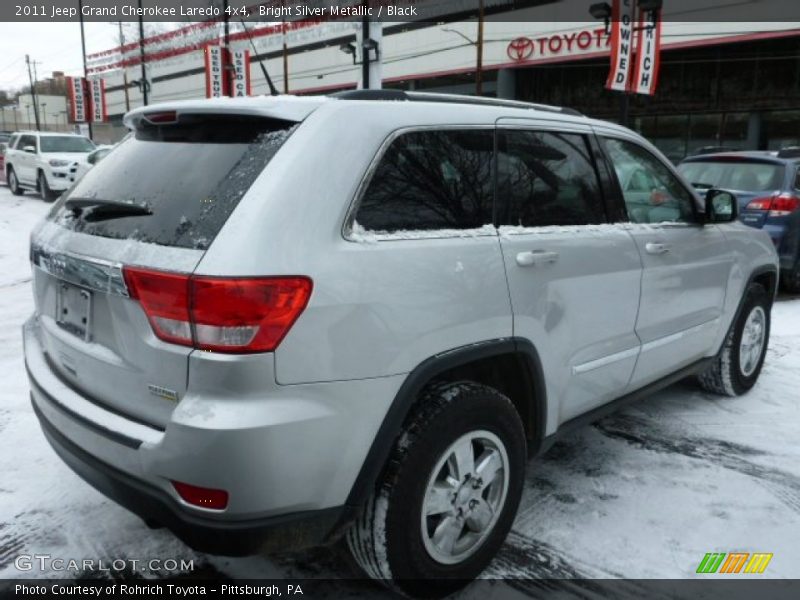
(215, 72)
(648, 50)
(77, 99)
(97, 100)
(621, 45)
(240, 82)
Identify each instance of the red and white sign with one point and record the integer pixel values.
(240, 75)
(216, 86)
(621, 45)
(97, 100)
(648, 49)
(77, 99)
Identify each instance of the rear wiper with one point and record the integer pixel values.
(106, 209)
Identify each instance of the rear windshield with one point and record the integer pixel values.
(749, 176)
(53, 143)
(190, 175)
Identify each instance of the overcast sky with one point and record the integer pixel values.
(57, 46)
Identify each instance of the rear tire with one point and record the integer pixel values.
(736, 369)
(433, 523)
(44, 189)
(13, 182)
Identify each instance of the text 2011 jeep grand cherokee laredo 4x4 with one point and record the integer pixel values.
(272, 322)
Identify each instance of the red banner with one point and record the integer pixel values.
(621, 45)
(240, 83)
(97, 100)
(76, 90)
(216, 82)
(648, 50)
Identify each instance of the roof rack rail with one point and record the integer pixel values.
(789, 152)
(403, 96)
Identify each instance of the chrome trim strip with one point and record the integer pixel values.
(605, 360)
(88, 272)
(677, 336)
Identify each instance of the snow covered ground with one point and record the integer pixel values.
(642, 494)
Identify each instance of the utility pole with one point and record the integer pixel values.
(143, 83)
(33, 94)
(124, 68)
(364, 49)
(83, 54)
(285, 52)
(479, 50)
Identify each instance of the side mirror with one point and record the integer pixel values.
(29, 149)
(721, 207)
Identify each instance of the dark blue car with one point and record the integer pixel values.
(767, 185)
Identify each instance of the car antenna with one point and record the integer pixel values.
(272, 89)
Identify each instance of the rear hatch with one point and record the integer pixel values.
(155, 204)
(754, 180)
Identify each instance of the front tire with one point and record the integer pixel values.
(736, 369)
(13, 182)
(46, 193)
(449, 493)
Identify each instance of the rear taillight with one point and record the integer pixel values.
(778, 205)
(760, 204)
(219, 313)
(783, 205)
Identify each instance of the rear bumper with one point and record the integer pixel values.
(228, 538)
(287, 455)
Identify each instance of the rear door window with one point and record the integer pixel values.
(546, 178)
(431, 180)
(190, 174)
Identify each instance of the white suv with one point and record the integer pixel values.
(269, 322)
(41, 161)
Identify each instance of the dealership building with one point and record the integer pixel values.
(730, 81)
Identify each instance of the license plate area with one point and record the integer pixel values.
(74, 310)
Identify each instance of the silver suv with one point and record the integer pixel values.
(270, 323)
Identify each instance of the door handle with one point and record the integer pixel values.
(536, 257)
(656, 248)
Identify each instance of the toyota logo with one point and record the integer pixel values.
(520, 48)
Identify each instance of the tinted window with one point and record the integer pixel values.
(547, 179)
(651, 192)
(742, 175)
(65, 143)
(431, 180)
(191, 175)
(26, 140)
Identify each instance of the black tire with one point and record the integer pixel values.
(387, 539)
(727, 375)
(44, 189)
(13, 182)
(790, 280)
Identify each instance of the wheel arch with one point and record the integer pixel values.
(513, 362)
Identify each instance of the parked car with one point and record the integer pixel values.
(40, 162)
(80, 167)
(267, 323)
(3, 146)
(767, 185)
(4, 137)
